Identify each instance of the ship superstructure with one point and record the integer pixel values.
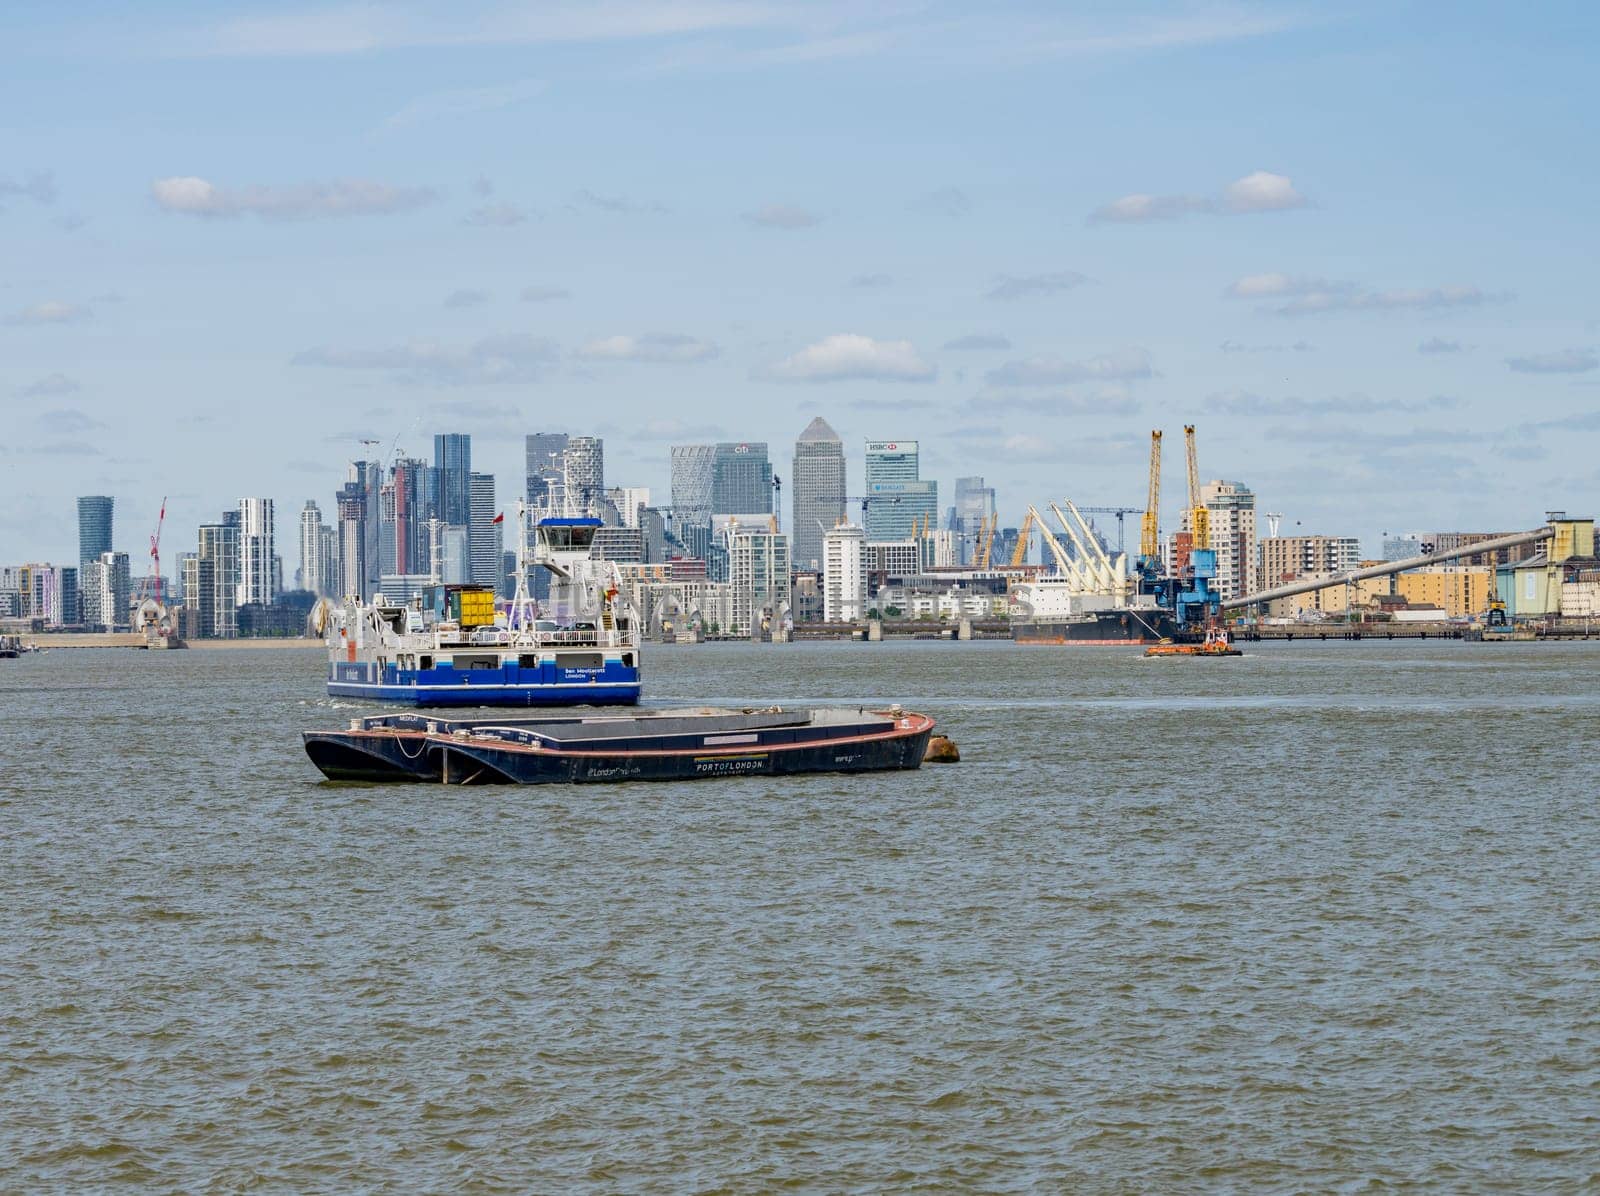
(450, 645)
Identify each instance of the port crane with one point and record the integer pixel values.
(1019, 554)
(1149, 530)
(1199, 515)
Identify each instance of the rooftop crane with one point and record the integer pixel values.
(1149, 534)
(1199, 516)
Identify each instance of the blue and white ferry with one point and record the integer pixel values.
(450, 646)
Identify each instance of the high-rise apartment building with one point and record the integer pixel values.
(817, 483)
(898, 498)
(257, 576)
(544, 452)
(106, 591)
(844, 574)
(693, 469)
(741, 480)
(317, 572)
(1232, 508)
(1288, 558)
(484, 539)
(352, 500)
(216, 587)
(758, 574)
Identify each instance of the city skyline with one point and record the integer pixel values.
(840, 233)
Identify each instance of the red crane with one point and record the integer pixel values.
(155, 549)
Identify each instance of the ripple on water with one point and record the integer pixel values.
(1320, 920)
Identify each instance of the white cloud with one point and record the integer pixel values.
(51, 311)
(192, 196)
(1566, 361)
(544, 294)
(782, 215)
(868, 282)
(512, 357)
(1125, 365)
(1310, 296)
(1008, 286)
(1438, 344)
(852, 357)
(1261, 191)
(466, 298)
(497, 215)
(652, 346)
(50, 385)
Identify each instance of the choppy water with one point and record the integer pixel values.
(1324, 917)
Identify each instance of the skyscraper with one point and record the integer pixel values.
(544, 453)
(692, 468)
(817, 482)
(1232, 509)
(94, 531)
(974, 503)
(741, 480)
(898, 497)
(484, 534)
(312, 576)
(352, 499)
(585, 464)
(452, 457)
(106, 591)
(256, 549)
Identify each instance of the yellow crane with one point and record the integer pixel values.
(1199, 516)
(1019, 554)
(1149, 535)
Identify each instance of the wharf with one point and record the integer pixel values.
(1414, 631)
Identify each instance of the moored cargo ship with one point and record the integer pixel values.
(1125, 625)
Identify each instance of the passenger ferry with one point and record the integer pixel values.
(450, 646)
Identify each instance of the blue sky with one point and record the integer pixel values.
(1353, 243)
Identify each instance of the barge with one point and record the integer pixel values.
(666, 745)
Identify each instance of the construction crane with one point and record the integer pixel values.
(153, 582)
(1119, 512)
(1019, 554)
(1199, 516)
(1149, 533)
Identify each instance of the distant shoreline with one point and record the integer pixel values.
(47, 640)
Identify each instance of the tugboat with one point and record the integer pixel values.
(1216, 643)
(450, 646)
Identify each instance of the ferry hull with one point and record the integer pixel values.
(614, 685)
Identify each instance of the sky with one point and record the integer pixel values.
(1352, 243)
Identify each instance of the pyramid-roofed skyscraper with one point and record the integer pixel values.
(818, 485)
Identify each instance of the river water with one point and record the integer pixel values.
(1322, 917)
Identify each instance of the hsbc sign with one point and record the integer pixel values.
(891, 446)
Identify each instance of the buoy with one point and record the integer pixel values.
(941, 751)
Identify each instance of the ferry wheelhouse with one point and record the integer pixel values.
(451, 646)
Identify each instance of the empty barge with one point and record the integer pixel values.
(668, 745)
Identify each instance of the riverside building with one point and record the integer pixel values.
(844, 574)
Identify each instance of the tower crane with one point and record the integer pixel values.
(986, 530)
(153, 583)
(1149, 533)
(1199, 515)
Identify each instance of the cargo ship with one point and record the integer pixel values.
(450, 645)
(1061, 611)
